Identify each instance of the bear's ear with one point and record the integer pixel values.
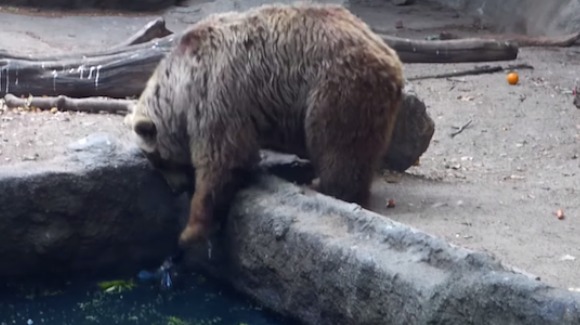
(145, 128)
(190, 42)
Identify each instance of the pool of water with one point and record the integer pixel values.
(193, 301)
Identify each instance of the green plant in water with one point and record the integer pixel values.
(172, 320)
(44, 293)
(116, 286)
(201, 279)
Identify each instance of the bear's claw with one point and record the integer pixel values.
(191, 234)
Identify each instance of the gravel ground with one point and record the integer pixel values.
(495, 187)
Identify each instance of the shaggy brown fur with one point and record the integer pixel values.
(312, 80)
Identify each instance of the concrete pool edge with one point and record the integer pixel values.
(299, 253)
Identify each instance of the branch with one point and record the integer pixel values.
(460, 129)
(486, 69)
(63, 103)
(154, 29)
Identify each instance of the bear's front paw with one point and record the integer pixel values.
(315, 185)
(191, 234)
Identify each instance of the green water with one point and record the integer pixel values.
(195, 301)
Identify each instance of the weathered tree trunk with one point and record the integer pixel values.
(117, 73)
(524, 40)
(122, 71)
(452, 51)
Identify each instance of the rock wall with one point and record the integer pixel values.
(102, 208)
(327, 262)
(89, 212)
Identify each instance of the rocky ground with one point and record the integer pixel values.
(495, 187)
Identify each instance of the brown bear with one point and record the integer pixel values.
(307, 79)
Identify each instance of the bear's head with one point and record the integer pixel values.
(146, 132)
(179, 176)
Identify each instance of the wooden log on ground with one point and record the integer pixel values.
(452, 51)
(524, 40)
(116, 73)
(122, 71)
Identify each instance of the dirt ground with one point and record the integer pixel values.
(494, 187)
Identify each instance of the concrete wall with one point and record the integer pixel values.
(534, 17)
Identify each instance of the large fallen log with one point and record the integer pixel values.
(452, 51)
(103, 209)
(122, 71)
(118, 73)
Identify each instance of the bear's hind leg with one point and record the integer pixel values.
(346, 138)
(347, 177)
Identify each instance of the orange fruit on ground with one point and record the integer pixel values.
(513, 78)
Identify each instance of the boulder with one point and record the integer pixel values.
(412, 134)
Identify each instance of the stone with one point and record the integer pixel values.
(412, 134)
